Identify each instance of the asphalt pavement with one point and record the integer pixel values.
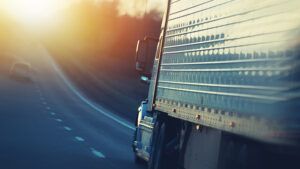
(49, 124)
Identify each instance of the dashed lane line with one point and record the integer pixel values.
(97, 153)
(67, 128)
(59, 120)
(80, 139)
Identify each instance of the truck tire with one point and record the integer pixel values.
(157, 160)
(138, 160)
(152, 158)
(161, 139)
(160, 159)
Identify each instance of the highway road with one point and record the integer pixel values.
(49, 124)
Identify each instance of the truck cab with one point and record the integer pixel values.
(146, 54)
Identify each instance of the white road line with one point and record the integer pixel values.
(59, 120)
(80, 139)
(48, 108)
(52, 113)
(44, 103)
(117, 119)
(97, 153)
(67, 128)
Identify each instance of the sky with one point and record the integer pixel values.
(43, 8)
(138, 7)
(31, 11)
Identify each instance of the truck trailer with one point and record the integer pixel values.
(224, 86)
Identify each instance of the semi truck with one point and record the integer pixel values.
(223, 86)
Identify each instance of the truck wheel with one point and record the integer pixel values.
(152, 158)
(160, 159)
(159, 162)
(138, 160)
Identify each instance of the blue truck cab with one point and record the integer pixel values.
(144, 126)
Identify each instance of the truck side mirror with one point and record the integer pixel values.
(145, 54)
(141, 55)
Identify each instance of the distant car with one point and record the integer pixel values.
(21, 71)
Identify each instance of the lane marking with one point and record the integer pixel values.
(117, 119)
(67, 128)
(42, 98)
(52, 113)
(45, 103)
(113, 117)
(59, 120)
(48, 108)
(97, 153)
(80, 139)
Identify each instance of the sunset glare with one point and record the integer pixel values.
(31, 11)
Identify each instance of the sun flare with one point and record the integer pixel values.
(31, 11)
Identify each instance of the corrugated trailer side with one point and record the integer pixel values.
(232, 65)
